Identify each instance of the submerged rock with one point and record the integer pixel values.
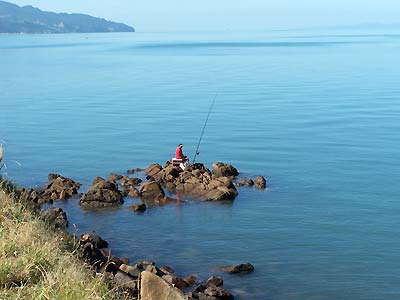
(235, 269)
(138, 207)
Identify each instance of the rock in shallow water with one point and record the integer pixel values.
(235, 269)
(102, 194)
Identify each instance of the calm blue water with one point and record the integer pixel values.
(316, 113)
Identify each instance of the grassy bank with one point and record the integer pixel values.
(36, 262)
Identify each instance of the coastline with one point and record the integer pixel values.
(143, 279)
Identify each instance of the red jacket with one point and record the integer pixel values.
(178, 153)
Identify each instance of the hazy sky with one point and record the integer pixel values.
(178, 15)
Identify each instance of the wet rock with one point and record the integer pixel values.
(214, 281)
(221, 193)
(102, 194)
(151, 190)
(114, 177)
(217, 292)
(244, 182)
(134, 193)
(130, 171)
(260, 183)
(130, 182)
(224, 170)
(97, 180)
(55, 216)
(235, 269)
(138, 207)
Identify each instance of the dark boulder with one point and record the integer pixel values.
(216, 281)
(221, 169)
(130, 182)
(138, 207)
(94, 239)
(102, 194)
(221, 193)
(260, 183)
(114, 177)
(55, 216)
(236, 269)
(176, 281)
(217, 292)
(151, 190)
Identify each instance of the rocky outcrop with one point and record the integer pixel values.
(56, 217)
(236, 269)
(102, 194)
(196, 180)
(59, 188)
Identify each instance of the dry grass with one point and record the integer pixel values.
(35, 262)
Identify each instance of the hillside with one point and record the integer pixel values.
(28, 19)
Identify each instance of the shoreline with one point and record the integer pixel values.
(119, 275)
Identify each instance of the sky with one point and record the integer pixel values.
(190, 15)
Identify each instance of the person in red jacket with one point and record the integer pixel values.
(179, 155)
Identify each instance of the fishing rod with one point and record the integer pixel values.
(204, 127)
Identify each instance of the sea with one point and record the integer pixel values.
(316, 112)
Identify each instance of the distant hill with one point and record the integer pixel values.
(28, 19)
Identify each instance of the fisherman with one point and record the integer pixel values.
(179, 156)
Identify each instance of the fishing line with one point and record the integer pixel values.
(204, 127)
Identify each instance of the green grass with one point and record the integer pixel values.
(37, 262)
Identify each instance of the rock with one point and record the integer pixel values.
(97, 180)
(59, 188)
(244, 182)
(260, 183)
(222, 169)
(215, 281)
(94, 239)
(166, 270)
(235, 269)
(152, 170)
(138, 207)
(145, 263)
(132, 271)
(151, 190)
(125, 284)
(190, 280)
(218, 292)
(134, 193)
(102, 194)
(176, 281)
(130, 182)
(55, 216)
(130, 171)
(114, 177)
(221, 193)
(153, 287)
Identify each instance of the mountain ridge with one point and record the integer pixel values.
(29, 19)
